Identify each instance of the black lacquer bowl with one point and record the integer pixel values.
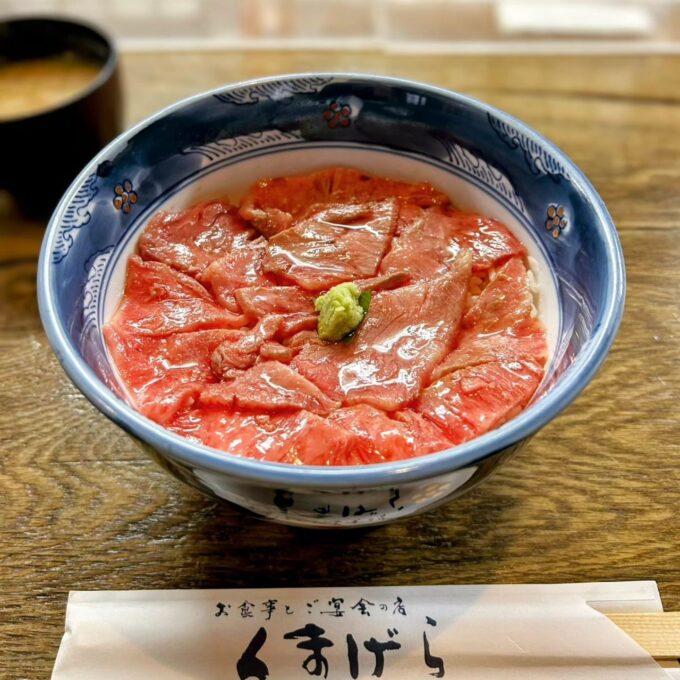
(42, 152)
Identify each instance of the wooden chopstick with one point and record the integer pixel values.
(658, 633)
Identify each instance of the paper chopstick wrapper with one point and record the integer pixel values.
(517, 632)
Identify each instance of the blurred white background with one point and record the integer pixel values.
(393, 25)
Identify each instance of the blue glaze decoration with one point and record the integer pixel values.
(538, 158)
(76, 215)
(275, 89)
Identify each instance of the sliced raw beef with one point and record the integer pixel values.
(429, 241)
(339, 244)
(231, 357)
(474, 400)
(237, 355)
(163, 375)
(490, 241)
(291, 324)
(216, 334)
(240, 267)
(502, 346)
(505, 304)
(391, 356)
(302, 338)
(383, 439)
(384, 282)
(425, 247)
(274, 351)
(260, 301)
(159, 300)
(274, 205)
(498, 364)
(298, 438)
(191, 239)
(429, 436)
(266, 387)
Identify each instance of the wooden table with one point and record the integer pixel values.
(594, 497)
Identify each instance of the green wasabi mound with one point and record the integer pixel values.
(341, 310)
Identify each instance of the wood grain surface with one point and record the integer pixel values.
(594, 497)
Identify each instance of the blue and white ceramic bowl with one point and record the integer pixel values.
(219, 143)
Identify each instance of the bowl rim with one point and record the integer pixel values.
(275, 475)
